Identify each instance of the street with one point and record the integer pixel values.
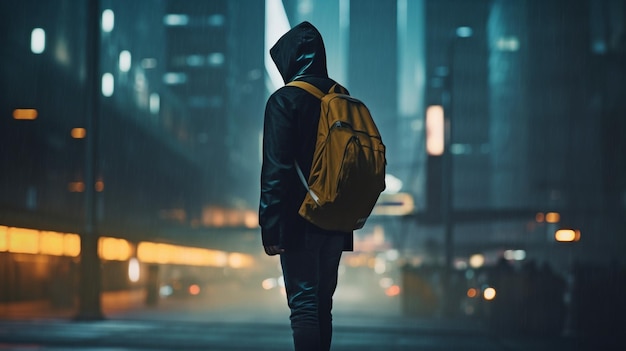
(232, 318)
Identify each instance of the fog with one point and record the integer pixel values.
(131, 132)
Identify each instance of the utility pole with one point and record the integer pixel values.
(447, 202)
(90, 271)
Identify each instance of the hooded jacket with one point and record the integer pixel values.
(289, 134)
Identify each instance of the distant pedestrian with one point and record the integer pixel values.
(309, 255)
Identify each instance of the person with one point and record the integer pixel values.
(309, 255)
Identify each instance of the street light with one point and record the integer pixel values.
(447, 198)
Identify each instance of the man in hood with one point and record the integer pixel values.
(309, 255)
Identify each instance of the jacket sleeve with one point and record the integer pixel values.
(279, 132)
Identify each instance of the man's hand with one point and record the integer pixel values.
(273, 250)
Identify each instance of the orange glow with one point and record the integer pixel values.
(114, 249)
(51, 243)
(356, 260)
(269, 283)
(76, 187)
(393, 290)
(213, 217)
(194, 289)
(32, 241)
(152, 252)
(233, 218)
(553, 217)
(472, 293)
(217, 217)
(22, 240)
(239, 260)
(540, 217)
(79, 133)
(4, 240)
(435, 131)
(71, 245)
(251, 219)
(567, 235)
(173, 254)
(99, 186)
(25, 113)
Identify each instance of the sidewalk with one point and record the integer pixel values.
(213, 324)
(389, 334)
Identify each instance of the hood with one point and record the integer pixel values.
(300, 52)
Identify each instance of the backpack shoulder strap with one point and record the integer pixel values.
(338, 89)
(312, 89)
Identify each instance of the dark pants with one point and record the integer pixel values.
(310, 281)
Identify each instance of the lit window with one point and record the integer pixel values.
(174, 78)
(71, 245)
(107, 84)
(79, 133)
(125, 61)
(194, 60)
(22, 240)
(435, 130)
(113, 249)
(553, 217)
(155, 103)
(464, 32)
(461, 149)
(216, 20)
(51, 243)
(38, 41)
(507, 44)
(176, 20)
(215, 59)
(25, 113)
(108, 21)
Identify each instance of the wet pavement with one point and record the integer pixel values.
(350, 334)
(236, 320)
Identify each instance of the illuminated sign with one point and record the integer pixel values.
(399, 204)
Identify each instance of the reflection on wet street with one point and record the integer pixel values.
(244, 315)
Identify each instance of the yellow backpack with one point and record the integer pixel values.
(348, 169)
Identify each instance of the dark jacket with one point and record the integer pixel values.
(289, 134)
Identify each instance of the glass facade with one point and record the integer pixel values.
(162, 114)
